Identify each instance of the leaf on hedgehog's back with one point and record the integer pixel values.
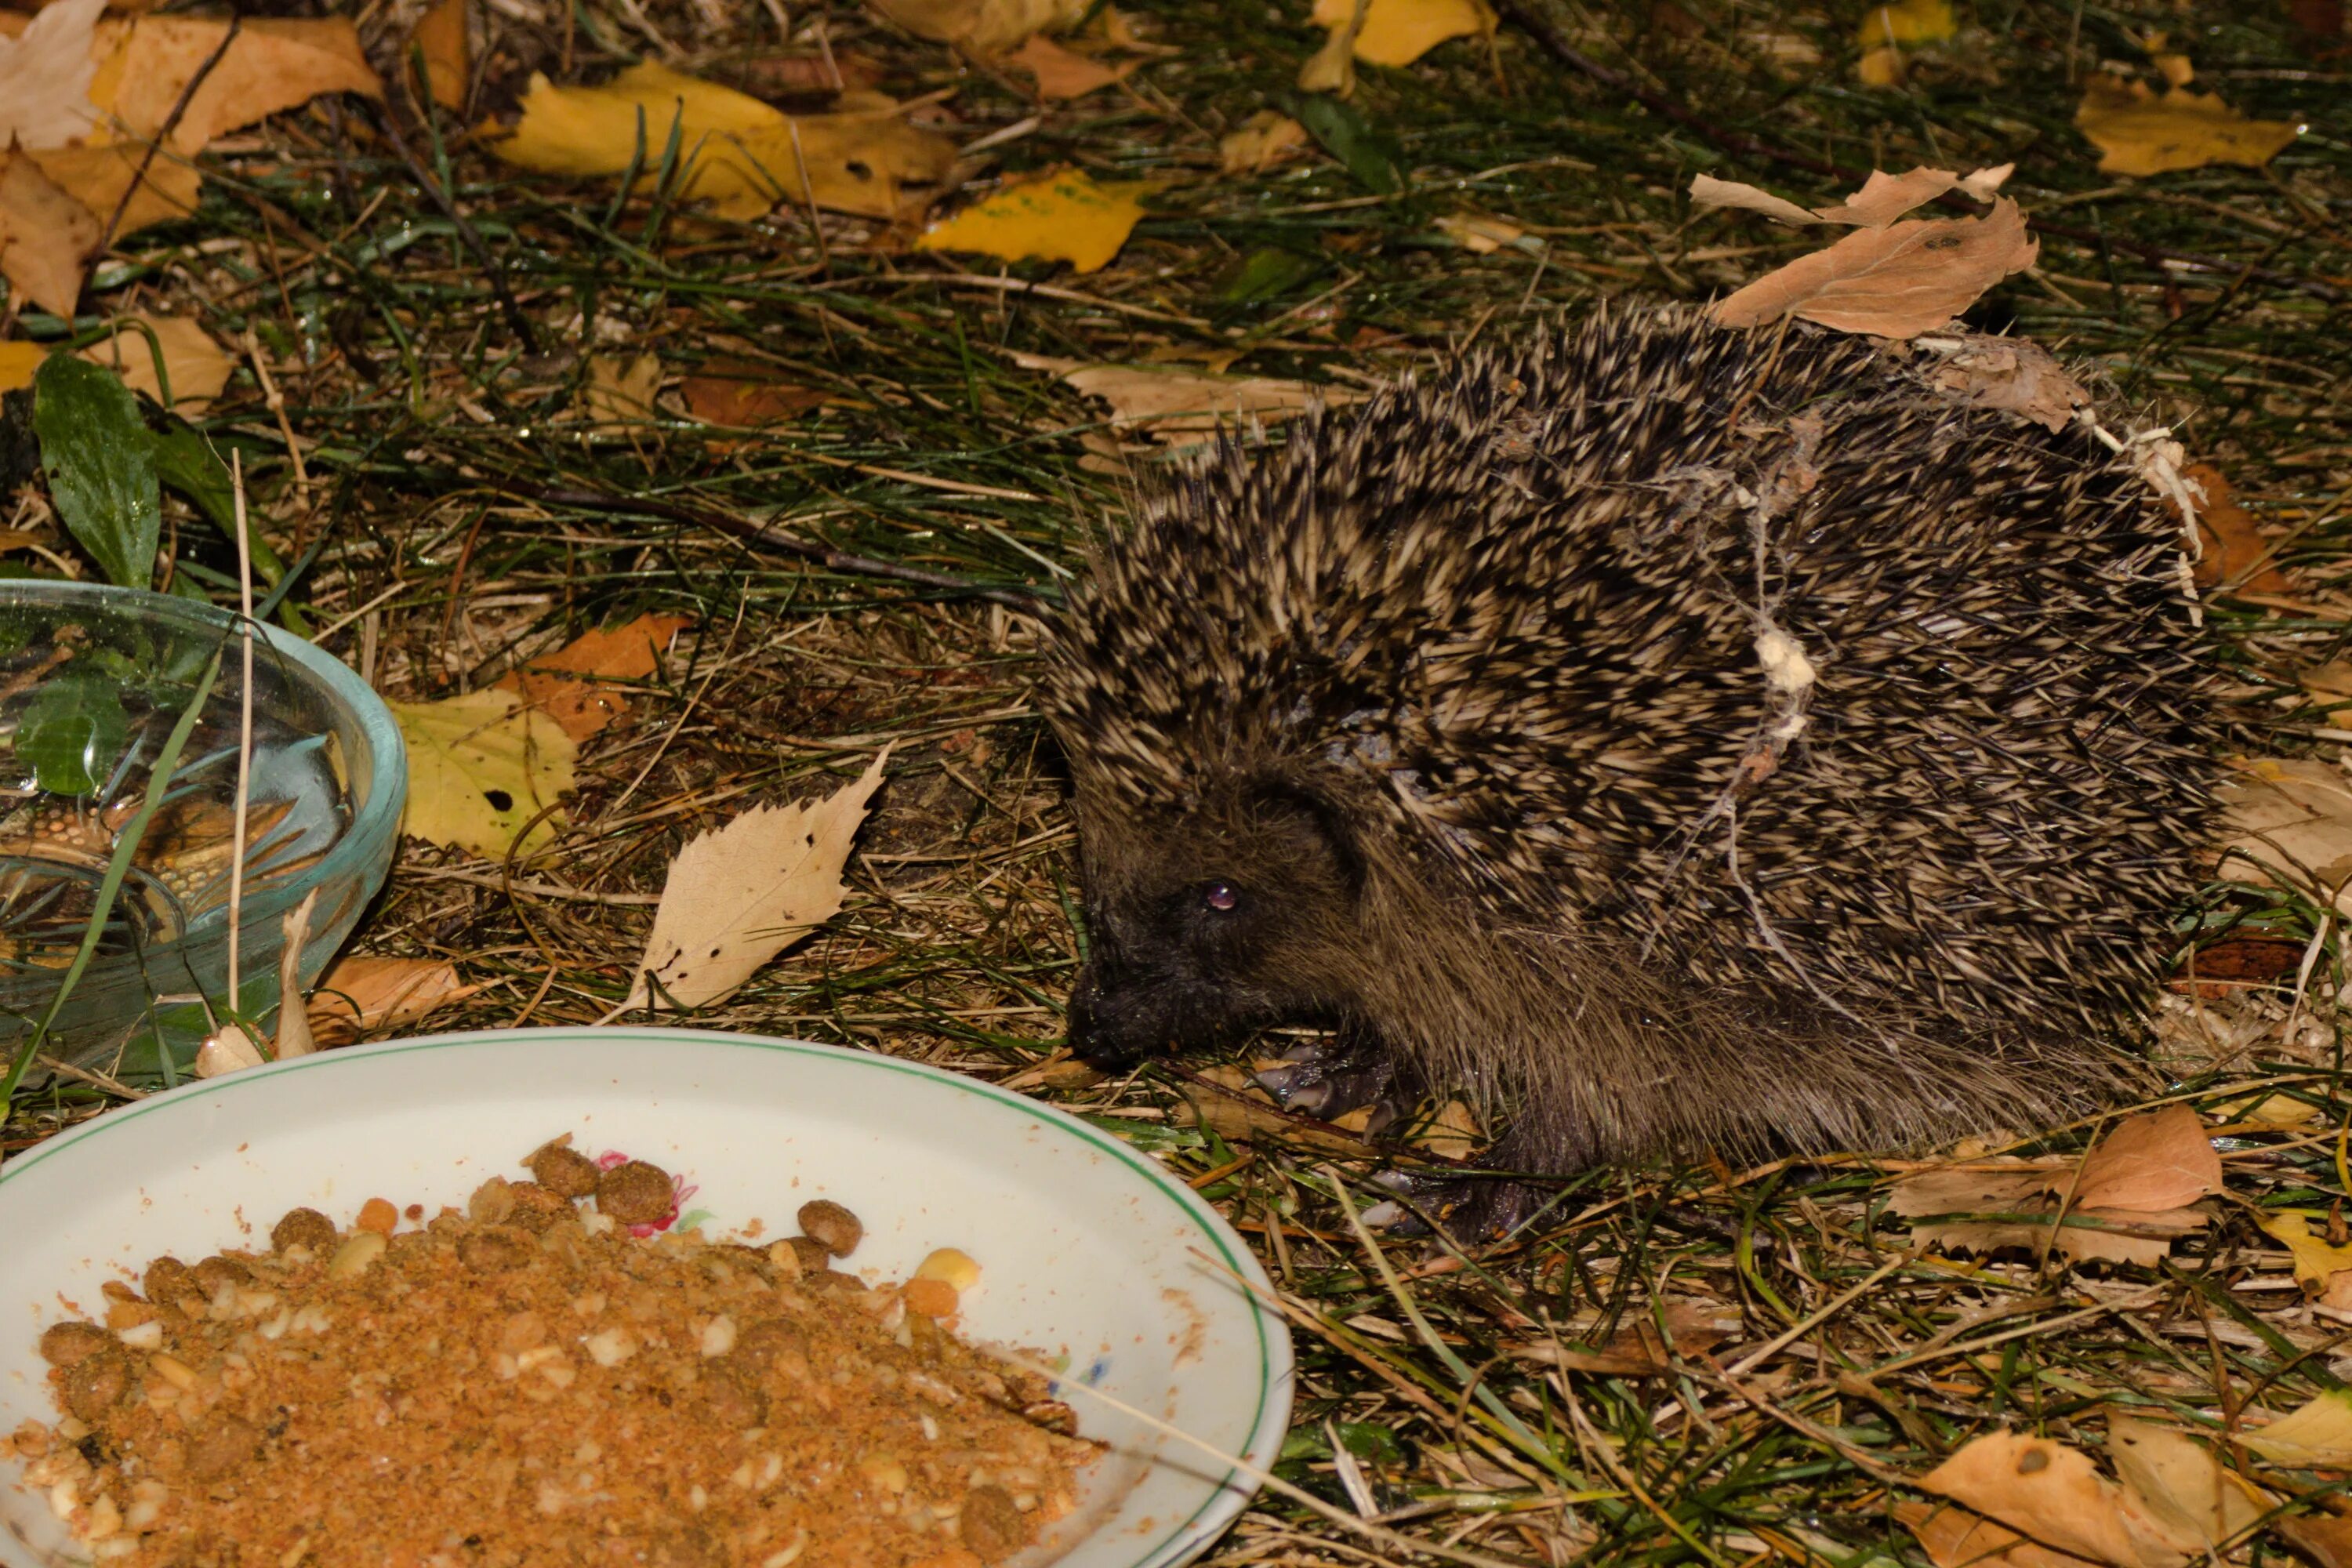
(1883, 198)
(2290, 820)
(738, 895)
(1896, 282)
(1173, 405)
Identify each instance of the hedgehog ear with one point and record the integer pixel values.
(1315, 816)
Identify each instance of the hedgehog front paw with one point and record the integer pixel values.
(1331, 1077)
(1473, 1210)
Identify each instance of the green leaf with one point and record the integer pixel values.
(72, 732)
(101, 466)
(186, 461)
(1364, 148)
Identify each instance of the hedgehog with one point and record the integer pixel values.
(1671, 739)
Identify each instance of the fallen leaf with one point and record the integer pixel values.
(2191, 1494)
(2138, 131)
(746, 395)
(1955, 1538)
(197, 366)
(1398, 32)
(2230, 540)
(273, 64)
(1238, 1112)
(736, 154)
(45, 236)
(441, 37)
(1331, 69)
(1172, 404)
(102, 176)
(1893, 283)
(294, 1035)
(619, 393)
(2290, 821)
(1063, 73)
(738, 895)
(2318, 1437)
(2317, 1261)
(2054, 1494)
(44, 76)
(1638, 1347)
(2131, 1193)
(2007, 373)
(1265, 139)
(1479, 234)
(231, 1049)
(2325, 1538)
(1883, 198)
(574, 685)
(2149, 1163)
(481, 768)
(18, 361)
(361, 995)
(1907, 23)
(984, 27)
(1062, 215)
(1452, 1134)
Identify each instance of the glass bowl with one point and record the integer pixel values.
(92, 681)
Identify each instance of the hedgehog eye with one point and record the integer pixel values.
(1221, 897)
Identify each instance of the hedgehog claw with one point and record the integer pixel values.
(1472, 1211)
(1328, 1078)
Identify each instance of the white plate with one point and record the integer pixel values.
(1088, 1248)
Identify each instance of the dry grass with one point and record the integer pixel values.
(1838, 1361)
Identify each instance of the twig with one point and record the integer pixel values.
(761, 534)
(1529, 18)
(245, 724)
(495, 270)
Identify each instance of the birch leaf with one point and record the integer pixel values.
(45, 74)
(738, 895)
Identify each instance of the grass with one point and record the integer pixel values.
(457, 521)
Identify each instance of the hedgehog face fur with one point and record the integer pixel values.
(1672, 736)
(1215, 921)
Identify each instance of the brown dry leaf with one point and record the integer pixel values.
(984, 27)
(1883, 198)
(44, 76)
(101, 176)
(1893, 283)
(294, 1035)
(738, 895)
(2324, 1537)
(1638, 1349)
(2055, 1495)
(273, 64)
(1265, 139)
(45, 236)
(231, 1050)
(1452, 1132)
(746, 395)
(1479, 234)
(620, 391)
(2290, 821)
(198, 367)
(1955, 1538)
(573, 685)
(1063, 73)
(2141, 131)
(2184, 1488)
(441, 37)
(2150, 1163)
(2317, 1436)
(359, 995)
(2131, 1195)
(2229, 538)
(1237, 1111)
(2010, 374)
(1170, 404)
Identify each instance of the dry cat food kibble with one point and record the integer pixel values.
(525, 1384)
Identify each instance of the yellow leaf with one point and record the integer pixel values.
(2054, 1494)
(2316, 1438)
(738, 154)
(1058, 217)
(2140, 131)
(984, 27)
(198, 367)
(2184, 1488)
(273, 64)
(1452, 1132)
(1955, 1538)
(620, 391)
(2315, 1259)
(98, 175)
(1265, 139)
(480, 768)
(1398, 32)
(738, 895)
(441, 37)
(18, 361)
(1479, 234)
(1882, 66)
(1906, 24)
